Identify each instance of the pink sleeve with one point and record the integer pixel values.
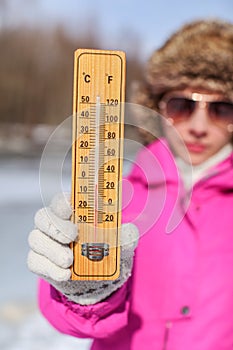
(93, 321)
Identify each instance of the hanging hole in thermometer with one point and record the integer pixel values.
(97, 157)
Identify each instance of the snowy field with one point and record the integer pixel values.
(21, 325)
(27, 184)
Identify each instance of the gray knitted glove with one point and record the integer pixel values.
(50, 256)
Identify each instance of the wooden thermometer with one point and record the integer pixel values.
(97, 153)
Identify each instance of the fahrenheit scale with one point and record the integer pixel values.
(97, 153)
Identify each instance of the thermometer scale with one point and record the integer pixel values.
(97, 160)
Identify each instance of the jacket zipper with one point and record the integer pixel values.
(168, 326)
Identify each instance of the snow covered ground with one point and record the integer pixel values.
(25, 186)
(32, 332)
(21, 325)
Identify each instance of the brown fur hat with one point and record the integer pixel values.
(200, 54)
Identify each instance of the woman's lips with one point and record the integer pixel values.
(195, 147)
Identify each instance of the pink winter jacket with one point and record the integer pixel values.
(180, 294)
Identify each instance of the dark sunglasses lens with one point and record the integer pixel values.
(221, 111)
(179, 107)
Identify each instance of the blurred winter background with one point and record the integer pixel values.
(37, 41)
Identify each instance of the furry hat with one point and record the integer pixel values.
(200, 54)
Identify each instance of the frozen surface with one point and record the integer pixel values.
(21, 325)
(32, 332)
(25, 187)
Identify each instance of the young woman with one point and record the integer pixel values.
(176, 287)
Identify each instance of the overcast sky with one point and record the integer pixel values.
(151, 21)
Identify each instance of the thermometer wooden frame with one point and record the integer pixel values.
(97, 161)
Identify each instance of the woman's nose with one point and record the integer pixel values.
(199, 121)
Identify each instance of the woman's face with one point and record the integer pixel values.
(196, 123)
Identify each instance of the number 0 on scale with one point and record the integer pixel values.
(97, 154)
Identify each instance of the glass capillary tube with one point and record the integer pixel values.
(96, 184)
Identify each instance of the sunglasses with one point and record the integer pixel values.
(180, 108)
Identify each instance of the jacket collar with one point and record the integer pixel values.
(156, 165)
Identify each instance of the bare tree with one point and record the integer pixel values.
(36, 73)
